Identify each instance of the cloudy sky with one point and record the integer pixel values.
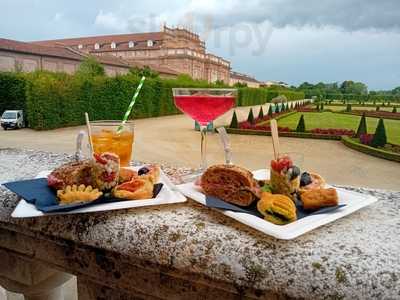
(288, 40)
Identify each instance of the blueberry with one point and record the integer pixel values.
(293, 172)
(305, 179)
(143, 171)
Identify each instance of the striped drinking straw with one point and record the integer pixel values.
(128, 112)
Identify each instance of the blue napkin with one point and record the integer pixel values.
(252, 209)
(37, 192)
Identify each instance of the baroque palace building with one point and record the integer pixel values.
(173, 49)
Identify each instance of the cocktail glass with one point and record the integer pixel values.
(204, 106)
(105, 138)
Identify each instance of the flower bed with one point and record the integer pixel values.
(375, 114)
(333, 131)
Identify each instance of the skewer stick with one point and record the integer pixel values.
(275, 138)
(89, 133)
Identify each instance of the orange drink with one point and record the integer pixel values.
(106, 139)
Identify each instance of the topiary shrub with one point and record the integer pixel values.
(261, 113)
(348, 107)
(250, 117)
(394, 110)
(270, 111)
(301, 126)
(362, 126)
(378, 108)
(234, 121)
(380, 138)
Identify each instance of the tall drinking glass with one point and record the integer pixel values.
(204, 106)
(105, 138)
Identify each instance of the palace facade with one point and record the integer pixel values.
(173, 49)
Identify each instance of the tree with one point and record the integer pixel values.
(250, 117)
(362, 126)
(301, 127)
(348, 107)
(234, 121)
(379, 139)
(270, 113)
(322, 106)
(318, 106)
(90, 67)
(261, 113)
(378, 108)
(394, 109)
(145, 71)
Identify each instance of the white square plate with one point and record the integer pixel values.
(353, 200)
(167, 195)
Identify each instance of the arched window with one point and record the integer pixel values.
(113, 45)
(150, 43)
(131, 44)
(97, 46)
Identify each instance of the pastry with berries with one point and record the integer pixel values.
(105, 170)
(284, 177)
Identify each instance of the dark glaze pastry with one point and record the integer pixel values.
(277, 209)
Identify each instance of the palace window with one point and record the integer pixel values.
(113, 45)
(150, 43)
(131, 44)
(80, 46)
(97, 46)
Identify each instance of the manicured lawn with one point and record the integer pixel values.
(332, 120)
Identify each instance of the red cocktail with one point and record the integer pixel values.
(204, 106)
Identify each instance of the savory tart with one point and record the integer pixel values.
(311, 181)
(137, 189)
(230, 183)
(278, 209)
(74, 194)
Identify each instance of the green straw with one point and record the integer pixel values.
(128, 112)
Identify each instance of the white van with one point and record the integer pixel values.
(12, 119)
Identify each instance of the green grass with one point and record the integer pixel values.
(355, 107)
(332, 120)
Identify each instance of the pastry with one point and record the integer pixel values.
(74, 194)
(277, 209)
(310, 181)
(137, 189)
(105, 170)
(230, 183)
(126, 174)
(314, 199)
(152, 171)
(77, 172)
(284, 177)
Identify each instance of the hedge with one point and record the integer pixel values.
(53, 100)
(355, 145)
(12, 91)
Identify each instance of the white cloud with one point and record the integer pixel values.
(110, 22)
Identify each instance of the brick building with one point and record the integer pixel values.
(28, 57)
(175, 49)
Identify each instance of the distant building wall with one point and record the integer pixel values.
(14, 61)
